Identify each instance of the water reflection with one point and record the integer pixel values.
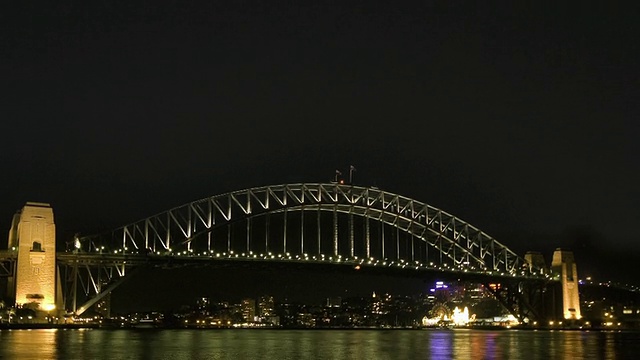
(28, 344)
(440, 344)
(316, 344)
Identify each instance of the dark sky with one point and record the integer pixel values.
(520, 119)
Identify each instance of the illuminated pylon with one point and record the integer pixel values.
(33, 236)
(564, 266)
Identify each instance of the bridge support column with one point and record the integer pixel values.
(536, 262)
(33, 235)
(564, 267)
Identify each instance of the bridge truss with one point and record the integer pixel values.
(315, 223)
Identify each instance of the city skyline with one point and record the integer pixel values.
(441, 304)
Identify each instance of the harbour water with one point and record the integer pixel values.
(178, 344)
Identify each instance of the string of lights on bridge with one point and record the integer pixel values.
(356, 261)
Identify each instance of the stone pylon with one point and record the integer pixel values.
(536, 262)
(33, 236)
(564, 267)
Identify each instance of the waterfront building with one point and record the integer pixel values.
(248, 307)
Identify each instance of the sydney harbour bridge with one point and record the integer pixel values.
(306, 224)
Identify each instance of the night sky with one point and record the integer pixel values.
(519, 119)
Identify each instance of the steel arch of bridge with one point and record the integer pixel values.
(186, 231)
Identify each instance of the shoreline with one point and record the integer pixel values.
(143, 328)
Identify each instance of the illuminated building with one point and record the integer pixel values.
(265, 306)
(266, 310)
(335, 301)
(204, 305)
(103, 307)
(248, 307)
(476, 293)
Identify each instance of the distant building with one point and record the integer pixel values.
(265, 306)
(334, 301)
(103, 307)
(266, 311)
(203, 302)
(204, 305)
(248, 309)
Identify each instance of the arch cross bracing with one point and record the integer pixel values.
(319, 222)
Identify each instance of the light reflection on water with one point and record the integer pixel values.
(315, 344)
